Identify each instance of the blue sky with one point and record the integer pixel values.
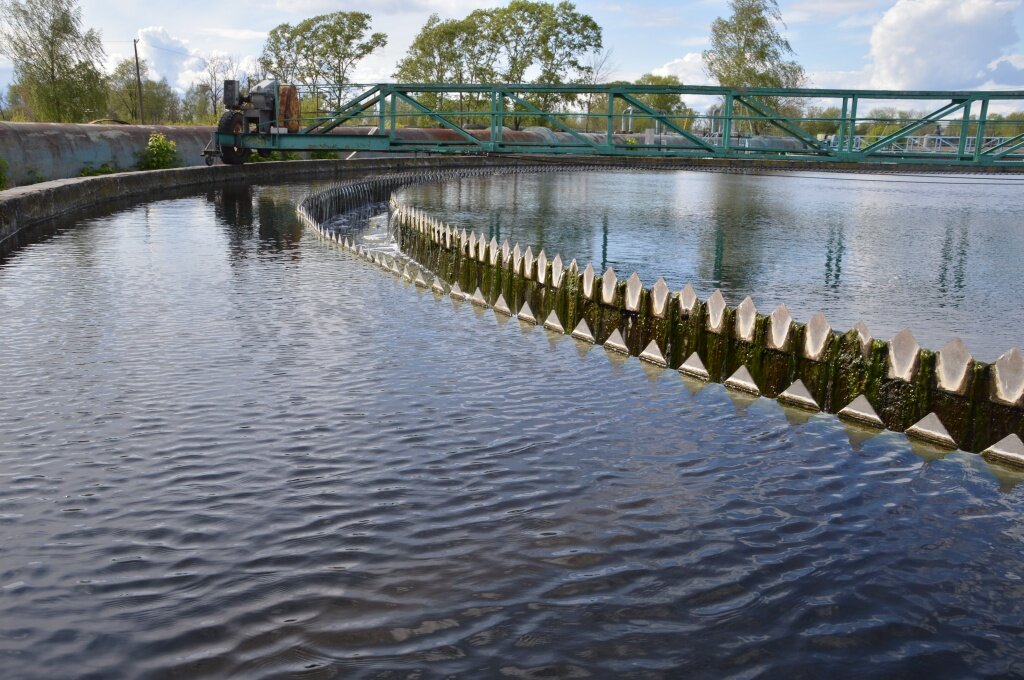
(900, 44)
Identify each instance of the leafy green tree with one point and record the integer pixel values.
(56, 62)
(545, 41)
(671, 104)
(567, 37)
(195, 105)
(747, 50)
(821, 121)
(321, 52)
(335, 43)
(441, 53)
(451, 51)
(280, 57)
(162, 104)
(123, 94)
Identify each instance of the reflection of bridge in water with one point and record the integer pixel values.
(860, 126)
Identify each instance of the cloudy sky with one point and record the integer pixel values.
(891, 44)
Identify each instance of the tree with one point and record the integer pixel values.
(451, 51)
(56, 62)
(280, 57)
(821, 121)
(162, 104)
(549, 42)
(748, 51)
(195, 106)
(441, 53)
(671, 104)
(330, 46)
(320, 51)
(219, 67)
(123, 101)
(599, 69)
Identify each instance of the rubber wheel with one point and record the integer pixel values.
(232, 123)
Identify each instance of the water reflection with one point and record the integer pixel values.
(266, 212)
(937, 255)
(834, 256)
(953, 259)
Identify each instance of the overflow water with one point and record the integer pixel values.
(938, 254)
(228, 450)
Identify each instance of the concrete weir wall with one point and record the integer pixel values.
(37, 151)
(25, 211)
(944, 398)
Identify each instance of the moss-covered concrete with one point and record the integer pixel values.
(845, 368)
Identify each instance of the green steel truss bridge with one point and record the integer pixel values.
(971, 129)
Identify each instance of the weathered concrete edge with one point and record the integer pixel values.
(27, 207)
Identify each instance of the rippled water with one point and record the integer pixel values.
(938, 254)
(227, 450)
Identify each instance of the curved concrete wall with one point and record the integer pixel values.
(58, 150)
(28, 209)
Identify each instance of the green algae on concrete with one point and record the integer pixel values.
(898, 379)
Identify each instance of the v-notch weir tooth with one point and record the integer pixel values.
(652, 355)
(615, 343)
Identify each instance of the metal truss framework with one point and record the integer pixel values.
(392, 111)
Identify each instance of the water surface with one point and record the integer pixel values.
(227, 450)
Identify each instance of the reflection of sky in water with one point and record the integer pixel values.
(940, 255)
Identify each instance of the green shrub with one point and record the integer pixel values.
(3, 174)
(107, 168)
(274, 156)
(325, 155)
(160, 153)
(34, 176)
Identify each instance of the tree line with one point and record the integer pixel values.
(59, 74)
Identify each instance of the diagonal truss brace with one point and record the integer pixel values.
(350, 110)
(777, 120)
(936, 115)
(1012, 144)
(436, 116)
(550, 117)
(663, 119)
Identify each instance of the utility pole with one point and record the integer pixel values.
(138, 80)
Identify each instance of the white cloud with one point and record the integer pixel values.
(690, 70)
(173, 58)
(170, 57)
(940, 44)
